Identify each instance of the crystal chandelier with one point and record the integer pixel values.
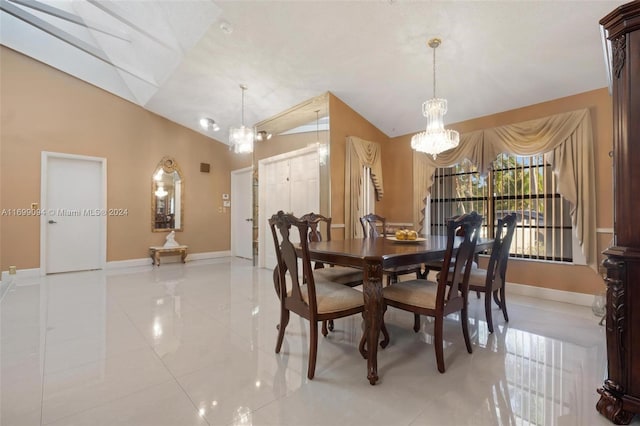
(241, 138)
(435, 139)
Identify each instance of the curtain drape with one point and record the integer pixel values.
(567, 142)
(360, 154)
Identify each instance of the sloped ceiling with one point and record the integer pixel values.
(185, 60)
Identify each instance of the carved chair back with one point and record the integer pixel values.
(282, 224)
(458, 265)
(370, 225)
(497, 267)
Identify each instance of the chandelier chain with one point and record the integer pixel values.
(434, 72)
(243, 87)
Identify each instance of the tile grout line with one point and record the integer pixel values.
(155, 354)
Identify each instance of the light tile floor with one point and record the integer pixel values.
(194, 345)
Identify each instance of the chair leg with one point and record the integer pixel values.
(324, 328)
(503, 303)
(313, 349)
(464, 320)
(438, 342)
(497, 299)
(477, 294)
(487, 312)
(284, 320)
(416, 322)
(330, 325)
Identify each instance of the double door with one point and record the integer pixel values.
(289, 182)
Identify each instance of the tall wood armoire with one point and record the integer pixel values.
(620, 394)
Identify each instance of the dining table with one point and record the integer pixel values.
(373, 256)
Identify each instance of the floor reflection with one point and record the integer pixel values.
(194, 344)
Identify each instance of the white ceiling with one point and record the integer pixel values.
(173, 58)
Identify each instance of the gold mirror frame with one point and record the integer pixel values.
(168, 166)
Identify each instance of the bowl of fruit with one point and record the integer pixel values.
(406, 235)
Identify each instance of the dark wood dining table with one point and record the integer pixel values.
(373, 255)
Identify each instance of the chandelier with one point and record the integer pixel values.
(241, 138)
(435, 139)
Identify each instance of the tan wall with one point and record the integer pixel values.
(347, 122)
(44, 109)
(36, 116)
(397, 171)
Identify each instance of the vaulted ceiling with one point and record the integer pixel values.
(185, 59)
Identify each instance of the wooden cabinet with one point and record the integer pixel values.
(620, 394)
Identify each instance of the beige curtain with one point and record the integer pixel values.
(567, 142)
(360, 154)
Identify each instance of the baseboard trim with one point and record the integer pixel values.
(23, 273)
(209, 255)
(581, 299)
(146, 261)
(4, 285)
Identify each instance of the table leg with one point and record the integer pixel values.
(184, 255)
(152, 255)
(157, 258)
(373, 311)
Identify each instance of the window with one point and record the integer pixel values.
(368, 193)
(515, 184)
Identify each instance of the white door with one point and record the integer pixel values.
(288, 182)
(242, 213)
(73, 230)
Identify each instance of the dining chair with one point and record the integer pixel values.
(436, 264)
(340, 274)
(375, 226)
(315, 300)
(492, 281)
(437, 299)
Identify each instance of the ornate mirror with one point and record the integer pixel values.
(167, 197)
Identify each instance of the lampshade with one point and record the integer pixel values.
(241, 138)
(435, 139)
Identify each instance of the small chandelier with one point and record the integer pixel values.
(435, 139)
(241, 138)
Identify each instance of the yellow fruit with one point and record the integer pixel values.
(400, 234)
(412, 235)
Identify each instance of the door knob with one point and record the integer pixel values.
(249, 220)
(52, 221)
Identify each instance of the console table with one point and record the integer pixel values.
(156, 251)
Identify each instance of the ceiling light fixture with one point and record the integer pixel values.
(263, 135)
(241, 138)
(435, 139)
(209, 124)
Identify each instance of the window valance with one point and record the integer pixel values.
(360, 154)
(566, 140)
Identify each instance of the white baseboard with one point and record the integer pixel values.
(22, 277)
(146, 261)
(550, 294)
(5, 284)
(129, 263)
(23, 273)
(209, 255)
